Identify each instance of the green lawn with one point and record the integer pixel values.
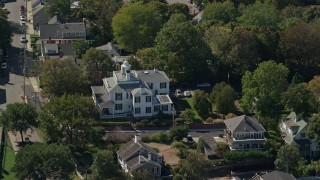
(186, 103)
(9, 160)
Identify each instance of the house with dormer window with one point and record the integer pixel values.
(133, 93)
(136, 156)
(244, 133)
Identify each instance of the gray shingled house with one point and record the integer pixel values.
(136, 156)
(244, 133)
(274, 175)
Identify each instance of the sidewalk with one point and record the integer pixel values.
(29, 29)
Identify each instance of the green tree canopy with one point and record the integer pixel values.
(79, 47)
(103, 166)
(60, 77)
(193, 166)
(69, 118)
(222, 12)
(266, 84)
(201, 103)
(63, 7)
(178, 132)
(314, 128)
(314, 87)
(98, 58)
(181, 51)
(288, 155)
(298, 45)
(299, 99)
(135, 26)
(188, 115)
(20, 117)
(216, 90)
(44, 161)
(225, 101)
(259, 14)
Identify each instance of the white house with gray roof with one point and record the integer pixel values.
(244, 133)
(133, 93)
(136, 156)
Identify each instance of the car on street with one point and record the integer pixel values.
(23, 39)
(4, 65)
(23, 23)
(21, 8)
(23, 18)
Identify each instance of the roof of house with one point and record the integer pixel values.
(39, 16)
(152, 75)
(110, 47)
(59, 20)
(54, 31)
(277, 175)
(141, 91)
(134, 163)
(244, 124)
(209, 145)
(295, 123)
(131, 147)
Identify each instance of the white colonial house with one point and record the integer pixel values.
(128, 92)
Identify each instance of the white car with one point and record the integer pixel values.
(23, 39)
(23, 18)
(23, 23)
(4, 66)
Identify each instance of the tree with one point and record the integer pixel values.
(97, 64)
(101, 13)
(216, 90)
(314, 87)
(201, 103)
(44, 161)
(298, 46)
(259, 14)
(20, 117)
(79, 47)
(69, 119)
(63, 7)
(188, 115)
(60, 77)
(222, 12)
(178, 132)
(221, 148)
(103, 166)
(288, 157)
(265, 85)
(299, 99)
(193, 166)
(135, 26)
(6, 34)
(273, 142)
(182, 52)
(225, 100)
(314, 128)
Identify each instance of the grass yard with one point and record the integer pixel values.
(186, 103)
(9, 160)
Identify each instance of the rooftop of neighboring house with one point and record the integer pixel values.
(244, 124)
(56, 19)
(55, 31)
(295, 123)
(275, 175)
(133, 154)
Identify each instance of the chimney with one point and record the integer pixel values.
(137, 138)
(128, 75)
(149, 156)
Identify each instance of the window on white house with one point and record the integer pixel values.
(163, 85)
(155, 170)
(148, 98)
(156, 108)
(118, 107)
(148, 109)
(118, 96)
(164, 107)
(137, 99)
(137, 110)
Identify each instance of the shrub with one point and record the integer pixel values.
(179, 121)
(159, 137)
(178, 132)
(182, 153)
(221, 149)
(209, 120)
(200, 145)
(179, 145)
(146, 139)
(156, 150)
(230, 115)
(144, 121)
(217, 121)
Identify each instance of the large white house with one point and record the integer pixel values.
(133, 93)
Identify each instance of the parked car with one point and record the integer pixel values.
(179, 93)
(21, 8)
(23, 18)
(23, 23)
(4, 65)
(188, 140)
(187, 93)
(23, 39)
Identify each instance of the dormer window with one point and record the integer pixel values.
(118, 96)
(163, 85)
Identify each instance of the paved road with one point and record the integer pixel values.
(11, 87)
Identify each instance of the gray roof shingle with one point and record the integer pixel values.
(244, 124)
(55, 31)
(277, 175)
